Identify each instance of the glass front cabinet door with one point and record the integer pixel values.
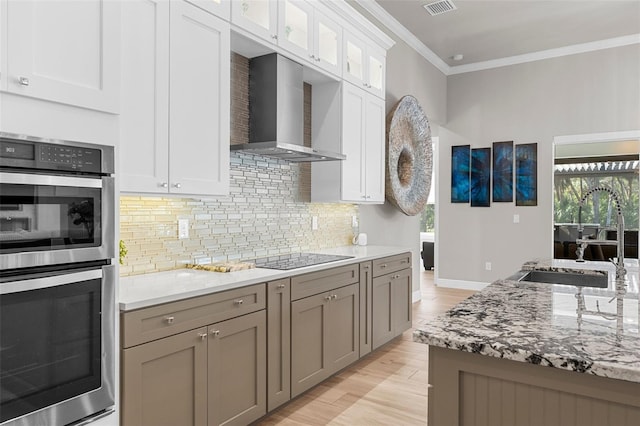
(259, 17)
(364, 65)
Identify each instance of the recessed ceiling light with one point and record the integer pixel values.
(440, 7)
(458, 57)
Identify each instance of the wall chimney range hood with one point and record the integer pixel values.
(276, 108)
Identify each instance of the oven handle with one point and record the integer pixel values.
(46, 282)
(50, 180)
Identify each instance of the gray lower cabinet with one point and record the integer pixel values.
(278, 343)
(391, 306)
(214, 374)
(324, 336)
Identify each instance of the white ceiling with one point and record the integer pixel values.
(493, 30)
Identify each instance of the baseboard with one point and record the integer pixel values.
(463, 285)
(416, 296)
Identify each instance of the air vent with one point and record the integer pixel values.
(440, 7)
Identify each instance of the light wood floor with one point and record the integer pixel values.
(387, 387)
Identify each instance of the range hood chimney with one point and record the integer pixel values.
(276, 105)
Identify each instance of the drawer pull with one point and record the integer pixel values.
(238, 302)
(215, 333)
(281, 286)
(384, 265)
(365, 267)
(169, 320)
(202, 336)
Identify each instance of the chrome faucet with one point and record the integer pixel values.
(621, 272)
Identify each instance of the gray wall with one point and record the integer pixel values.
(586, 93)
(408, 73)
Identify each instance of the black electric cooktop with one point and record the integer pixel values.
(296, 260)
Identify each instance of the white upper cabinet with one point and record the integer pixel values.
(221, 8)
(258, 17)
(64, 51)
(310, 34)
(176, 95)
(364, 64)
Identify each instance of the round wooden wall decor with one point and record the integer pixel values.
(409, 156)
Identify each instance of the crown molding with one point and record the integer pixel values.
(547, 54)
(407, 36)
(401, 31)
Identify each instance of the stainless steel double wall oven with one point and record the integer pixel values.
(57, 281)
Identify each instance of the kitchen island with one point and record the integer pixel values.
(516, 353)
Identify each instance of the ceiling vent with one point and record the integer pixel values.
(440, 7)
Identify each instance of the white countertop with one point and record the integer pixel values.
(140, 291)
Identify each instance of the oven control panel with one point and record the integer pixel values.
(46, 156)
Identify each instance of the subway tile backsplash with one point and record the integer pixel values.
(265, 214)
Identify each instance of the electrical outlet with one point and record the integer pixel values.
(487, 266)
(183, 228)
(314, 223)
(516, 218)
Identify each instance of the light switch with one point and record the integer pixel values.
(314, 223)
(516, 218)
(183, 228)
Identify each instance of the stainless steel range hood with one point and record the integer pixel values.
(276, 108)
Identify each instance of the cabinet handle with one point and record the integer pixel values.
(215, 333)
(365, 266)
(24, 81)
(177, 185)
(274, 36)
(202, 335)
(334, 297)
(281, 286)
(384, 265)
(312, 56)
(317, 59)
(238, 302)
(164, 184)
(327, 298)
(169, 320)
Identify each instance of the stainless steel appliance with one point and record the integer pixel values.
(57, 281)
(297, 260)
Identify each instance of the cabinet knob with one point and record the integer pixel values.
(164, 184)
(366, 267)
(24, 81)
(384, 265)
(334, 296)
(281, 286)
(327, 298)
(312, 56)
(177, 185)
(317, 59)
(169, 320)
(214, 333)
(274, 36)
(238, 302)
(202, 335)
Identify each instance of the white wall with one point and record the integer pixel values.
(587, 93)
(408, 73)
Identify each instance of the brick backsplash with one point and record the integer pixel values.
(263, 215)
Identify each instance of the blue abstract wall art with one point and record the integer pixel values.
(480, 177)
(460, 169)
(502, 172)
(527, 174)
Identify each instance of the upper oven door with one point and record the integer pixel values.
(51, 219)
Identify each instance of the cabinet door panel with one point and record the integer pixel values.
(343, 328)
(366, 284)
(327, 41)
(278, 343)
(259, 17)
(402, 301)
(200, 99)
(294, 27)
(374, 140)
(65, 51)
(353, 168)
(164, 382)
(237, 370)
(383, 327)
(308, 342)
(144, 119)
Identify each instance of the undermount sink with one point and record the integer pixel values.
(566, 278)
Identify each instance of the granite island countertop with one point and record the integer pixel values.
(538, 324)
(140, 291)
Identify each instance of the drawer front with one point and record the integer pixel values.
(153, 323)
(390, 264)
(318, 282)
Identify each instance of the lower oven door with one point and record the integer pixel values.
(57, 346)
